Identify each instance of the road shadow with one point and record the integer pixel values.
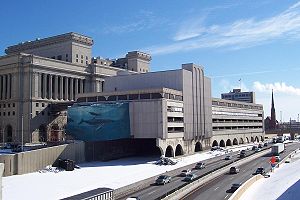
(292, 193)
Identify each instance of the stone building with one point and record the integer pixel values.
(40, 78)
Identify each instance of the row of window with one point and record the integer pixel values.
(221, 103)
(236, 114)
(236, 127)
(175, 129)
(37, 104)
(60, 57)
(8, 113)
(235, 120)
(235, 95)
(8, 105)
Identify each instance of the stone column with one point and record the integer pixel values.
(71, 90)
(55, 96)
(39, 85)
(8, 86)
(61, 88)
(81, 85)
(50, 87)
(66, 97)
(44, 86)
(4, 87)
(1, 86)
(35, 84)
(76, 87)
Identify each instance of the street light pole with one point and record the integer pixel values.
(22, 131)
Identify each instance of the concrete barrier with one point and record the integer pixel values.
(239, 192)
(32, 161)
(179, 194)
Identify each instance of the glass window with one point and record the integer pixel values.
(76, 60)
(37, 104)
(156, 96)
(13, 105)
(43, 105)
(145, 96)
(122, 97)
(67, 55)
(112, 98)
(59, 57)
(36, 112)
(133, 96)
(76, 55)
(13, 113)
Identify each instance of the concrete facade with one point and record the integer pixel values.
(36, 74)
(236, 122)
(238, 95)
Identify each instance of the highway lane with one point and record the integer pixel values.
(155, 191)
(216, 189)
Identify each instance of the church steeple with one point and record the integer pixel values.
(273, 114)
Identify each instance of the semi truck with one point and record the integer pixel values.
(277, 149)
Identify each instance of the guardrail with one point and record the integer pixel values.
(186, 188)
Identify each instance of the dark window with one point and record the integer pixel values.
(76, 60)
(122, 97)
(67, 55)
(0, 113)
(86, 58)
(43, 113)
(3, 105)
(81, 61)
(67, 60)
(112, 98)
(81, 99)
(43, 105)
(0, 105)
(91, 99)
(156, 96)
(48, 113)
(86, 62)
(8, 105)
(3, 113)
(37, 104)
(36, 112)
(76, 55)
(8, 113)
(53, 57)
(14, 104)
(133, 96)
(59, 57)
(145, 96)
(81, 56)
(100, 98)
(14, 113)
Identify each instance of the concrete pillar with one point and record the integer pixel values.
(55, 95)
(50, 87)
(44, 86)
(1, 86)
(61, 88)
(66, 97)
(8, 86)
(39, 85)
(81, 85)
(76, 87)
(4, 87)
(71, 89)
(35, 84)
(1, 175)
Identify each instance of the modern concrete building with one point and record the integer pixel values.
(236, 122)
(36, 77)
(181, 116)
(238, 95)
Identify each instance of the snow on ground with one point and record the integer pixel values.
(284, 183)
(112, 174)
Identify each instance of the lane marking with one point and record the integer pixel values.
(216, 188)
(231, 178)
(152, 192)
(226, 196)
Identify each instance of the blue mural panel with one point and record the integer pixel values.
(99, 121)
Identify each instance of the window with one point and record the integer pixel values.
(36, 112)
(76, 60)
(86, 62)
(76, 55)
(81, 61)
(86, 58)
(13, 113)
(67, 60)
(0, 105)
(8, 113)
(59, 57)
(13, 105)
(8, 105)
(133, 96)
(3, 105)
(36, 104)
(3, 113)
(67, 55)
(145, 96)
(81, 56)
(43, 105)
(53, 57)
(0, 113)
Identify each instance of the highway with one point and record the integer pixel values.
(156, 191)
(218, 188)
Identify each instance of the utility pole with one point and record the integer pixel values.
(22, 124)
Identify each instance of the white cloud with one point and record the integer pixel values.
(277, 87)
(192, 34)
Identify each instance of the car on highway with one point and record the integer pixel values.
(257, 149)
(243, 153)
(254, 147)
(163, 179)
(260, 170)
(234, 170)
(190, 177)
(133, 198)
(265, 144)
(234, 187)
(228, 157)
(200, 165)
(260, 145)
(185, 172)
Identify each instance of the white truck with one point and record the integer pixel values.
(277, 149)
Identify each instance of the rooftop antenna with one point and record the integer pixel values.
(240, 80)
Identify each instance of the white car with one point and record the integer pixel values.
(185, 172)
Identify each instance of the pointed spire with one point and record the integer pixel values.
(272, 99)
(273, 114)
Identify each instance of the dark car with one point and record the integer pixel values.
(260, 170)
(234, 187)
(260, 145)
(163, 179)
(257, 150)
(185, 172)
(234, 170)
(265, 144)
(243, 154)
(190, 177)
(228, 157)
(200, 165)
(254, 147)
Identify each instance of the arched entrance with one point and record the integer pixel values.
(241, 141)
(54, 134)
(235, 142)
(169, 152)
(179, 150)
(228, 142)
(247, 139)
(261, 138)
(256, 139)
(252, 139)
(43, 133)
(222, 143)
(198, 147)
(215, 143)
(8, 132)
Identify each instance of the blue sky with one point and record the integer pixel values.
(255, 41)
